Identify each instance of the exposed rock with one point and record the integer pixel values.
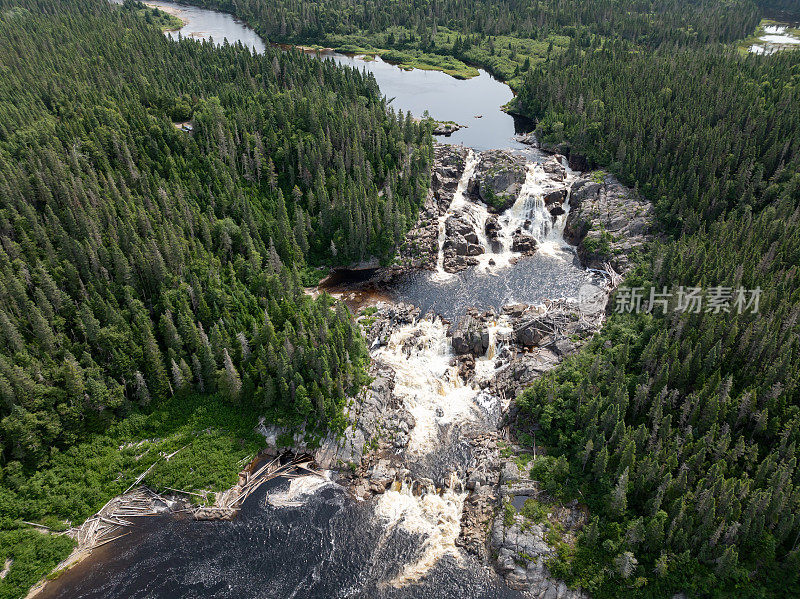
(498, 179)
(522, 549)
(578, 162)
(555, 196)
(553, 167)
(556, 210)
(492, 228)
(470, 337)
(214, 513)
(421, 245)
(525, 244)
(527, 139)
(536, 332)
(607, 221)
(446, 129)
(456, 263)
(510, 473)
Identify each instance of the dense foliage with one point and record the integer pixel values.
(139, 260)
(162, 205)
(650, 22)
(701, 131)
(680, 431)
(505, 37)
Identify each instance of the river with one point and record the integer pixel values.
(306, 537)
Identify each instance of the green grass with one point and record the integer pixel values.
(743, 46)
(534, 511)
(213, 439)
(508, 513)
(159, 18)
(506, 57)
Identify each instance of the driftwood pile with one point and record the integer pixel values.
(298, 466)
(228, 503)
(109, 523)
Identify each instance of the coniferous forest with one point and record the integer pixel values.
(150, 269)
(139, 260)
(680, 431)
(142, 262)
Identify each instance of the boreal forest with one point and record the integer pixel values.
(164, 205)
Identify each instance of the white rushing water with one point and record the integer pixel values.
(431, 513)
(428, 383)
(458, 200)
(299, 489)
(427, 377)
(529, 213)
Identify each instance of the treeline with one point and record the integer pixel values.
(680, 431)
(649, 22)
(140, 260)
(701, 131)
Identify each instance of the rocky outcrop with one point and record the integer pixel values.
(576, 160)
(492, 228)
(446, 129)
(461, 244)
(498, 179)
(421, 245)
(556, 196)
(523, 243)
(470, 336)
(607, 221)
(553, 166)
(522, 551)
(480, 507)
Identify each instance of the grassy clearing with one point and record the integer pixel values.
(214, 437)
(743, 46)
(506, 57)
(161, 19)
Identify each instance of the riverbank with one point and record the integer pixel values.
(455, 381)
(476, 365)
(167, 18)
(207, 448)
(505, 57)
(438, 389)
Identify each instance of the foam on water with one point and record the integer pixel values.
(299, 489)
(457, 201)
(427, 382)
(433, 515)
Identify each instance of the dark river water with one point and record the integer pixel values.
(529, 281)
(324, 544)
(444, 97)
(328, 547)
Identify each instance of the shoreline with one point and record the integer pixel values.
(171, 11)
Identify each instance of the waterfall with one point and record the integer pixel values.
(499, 331)
(457, 202)
(434, 515)
(529, 213)
(427, 382)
